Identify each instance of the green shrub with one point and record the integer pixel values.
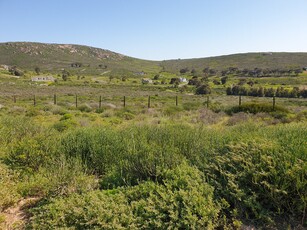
(259, 179)
(85, 108)
(66, 116)
(172, 110)
(190, 106)
(252, 107)
(31, 152)
(61, 177)
(183, 200)
(65, 123)
(125, 114)
(8, 192)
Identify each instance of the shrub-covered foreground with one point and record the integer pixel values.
(182, 200)
(159, 176)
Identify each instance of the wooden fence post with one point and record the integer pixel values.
(124, 101)
(148, 101)
(54, 99)
(100, 100)
(14, 98)
(76, 101)
(34, 100)
(240, 100)
(274, 103)
(176, 100)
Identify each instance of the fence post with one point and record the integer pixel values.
(76, 101)
(176, 100)
(240, 100)
(124, 101)
(34, 100)
(207, 101)
(54, 99)
(148, 101)
(14, 98)
(100, 99)
(273, 103)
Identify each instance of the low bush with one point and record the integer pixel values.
(61, 177)
(182, 200)
(257, 179)
(252, 107)
(8, 191)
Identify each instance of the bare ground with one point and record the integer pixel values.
(16, 217)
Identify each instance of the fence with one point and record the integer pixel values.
(149, 101)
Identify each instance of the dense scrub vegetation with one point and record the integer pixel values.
(119, 154)
(155, 176)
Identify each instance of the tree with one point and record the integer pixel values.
(37, 70)
(175, 81)
(224, 80)
(65, 75)
(17, 72)
(203, 89)
(194, 81)
(183, 71)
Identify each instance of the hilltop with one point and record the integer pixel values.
(80, 59)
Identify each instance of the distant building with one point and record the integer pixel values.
(183, 80)
(140, 73)
(43, 78)
(305, 68)
(146, 81)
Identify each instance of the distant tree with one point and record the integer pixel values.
(17, 72)
(102, 66)
(294, 93)
(193, 72)
(194, 81)
(174, 80)
(203, 89)
(260, 92)
(183, 71)
(216, 82)
(251, 83)
(242, 81)
(37, 70)
(303, 93)
(76, 64)
(156, 77)
(65, 75)
(269, 92)
(224, 80)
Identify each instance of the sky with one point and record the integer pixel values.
(160, 29)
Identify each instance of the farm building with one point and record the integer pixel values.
(183, 80)
(42, 78)
(146, 81)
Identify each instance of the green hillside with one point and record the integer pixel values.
(241, 61)
(94, 61)
(74, 58)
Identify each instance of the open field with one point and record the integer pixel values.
(103, 151)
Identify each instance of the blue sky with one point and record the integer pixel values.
(160, 29)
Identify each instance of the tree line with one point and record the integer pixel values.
(256, 72)
(295, 92)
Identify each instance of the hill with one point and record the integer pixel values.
(94, 61)
(241, 61)
(75, 58)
